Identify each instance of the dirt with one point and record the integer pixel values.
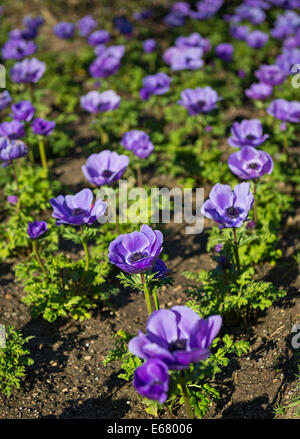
(68, 379)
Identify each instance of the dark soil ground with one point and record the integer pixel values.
(69, 381)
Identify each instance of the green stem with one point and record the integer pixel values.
(139, 175)
(43, 154)
(147, 294)
(187, 403)
(255, 204)
(236, 250)
(87, 256)
(155, 298)
(18, 188)
(37, 255)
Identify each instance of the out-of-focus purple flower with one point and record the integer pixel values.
(123, 25)
(251, 225)
(219, 247)
(200, 100)
(181, 58)
(12, 199)
(105, 167)
(270, 74)
(259, 91)
(43, 127)
(206, 9)
(157, 84)
(250, 163)
(28, 70)
(96, 102)
(64, 30)
(257, 39)
(285, 24)
(239, 32)
(86, 25)
(241, 73)
(36, 229)
(18, 49)
(5, 99)
(149, 45)
(224, 51)
(287, 111)
(247, 13)
(77, 209)
(11, 150)
(287, 59)
(23, 110)
(247, 133)
(283, 126)
(136, 252)
(152, 380)
(160, 269)
(193, 40)
(178, 337)
(108, 61)
(33, 22)
(174, 19)
(208, 128)
(181, 8)
(12, 129)
(138, 142)
(226, 207)
(143, 15)
(98, 37)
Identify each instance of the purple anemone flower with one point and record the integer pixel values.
(226, 207)
(286, 111)
(28, 70)
(160, 269)
(184, 58)
(77, 209)
(157, 84)
(199, 100)
(136, 252)
(259, 91)
(152, 380)
(33, 22)
(178, 337)
(247, 133)
(98, 37)
(149, 45)
(138, 142)
(123, 25)
(108, 61)
(239, 32)
(23, 110)
(86, 25)
(5, 99)
(12, 199)
(18, 49)
(257, 39)
(43, 127)
(36, 229)
(64, 30)
(143, 15)
(224, 51)
(250, 163)
(193, 40)
(105, 167)
(270, 74)
(96, 102)
(12, 129)
(11, 150)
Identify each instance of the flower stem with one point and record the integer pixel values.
(43, 154)
(236, 250)
(285, 141)
(37, 255)
(87, 256)
(155, 298)
(255, 204)
(147, 294)
(187, 403)
(18, 188)
(139, 175)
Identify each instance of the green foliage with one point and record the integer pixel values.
(14, 359)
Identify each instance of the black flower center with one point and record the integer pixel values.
(250, 137)
(107, 173)
(232, 212)
(201, 104)
(177, 345)
(77, 211)
(137, 256)
(253, 165)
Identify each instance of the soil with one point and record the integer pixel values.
(68, 379)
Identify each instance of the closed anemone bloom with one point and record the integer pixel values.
(259, 91)
(77, 209)
(224, 51)
(99, 37)
(226, 207)
(250, 163)
(138, 142)
(23, 110)
(36, 229)
(28, 70)
(12, 129)
(136, 252)
(270, 74)
(152, 380)
(286, 111)
(105, 167)
(96, 102)
(43, 127)
(247, 133)
(157, 84)
(200, 100)
(64, 29)
(178, 337)
(86, 25)
(257, 39)
(5, 99)
(11, 150)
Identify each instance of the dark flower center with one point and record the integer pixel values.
(177, 345)
(201, 104)
(232, 212)
(253, 165)
(137, 256)
(77, 211)
(250, 137)
(107, 173)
